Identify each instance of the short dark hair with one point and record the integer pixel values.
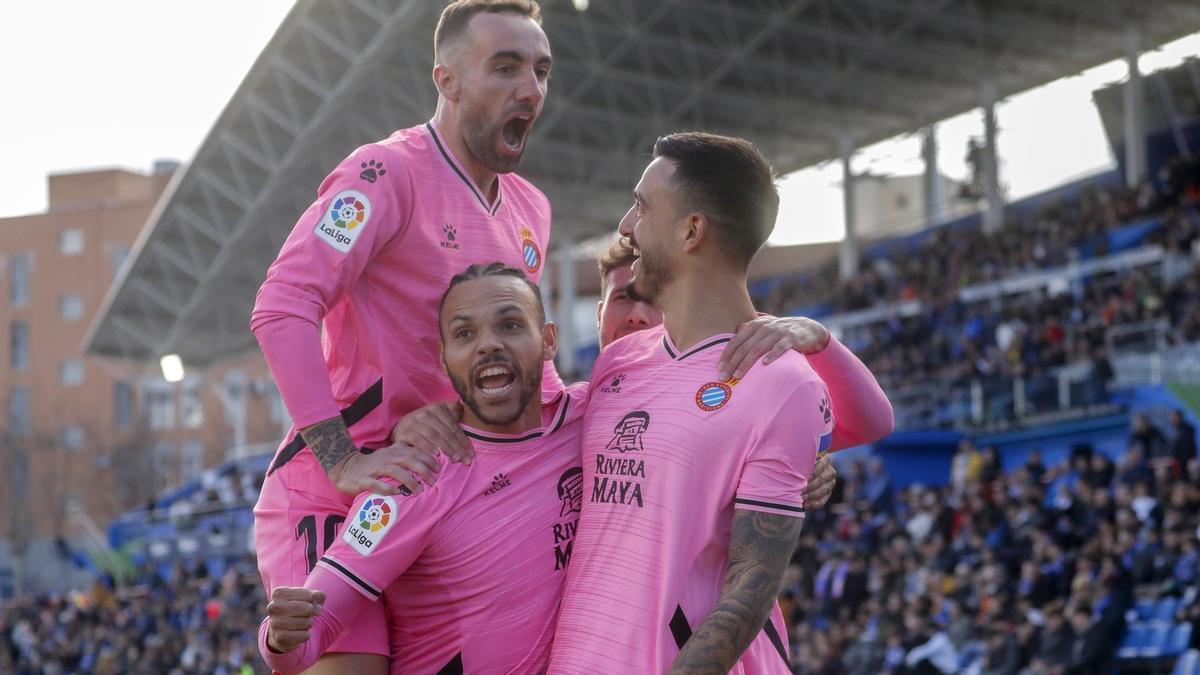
(730, 182)
(455, 17)
(496, 269)
(617, 255)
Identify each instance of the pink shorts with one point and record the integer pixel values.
(298, 516)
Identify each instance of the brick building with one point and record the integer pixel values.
(82, 438)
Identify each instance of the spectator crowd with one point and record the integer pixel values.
(187, 623)
(1028, 571)
(952, 342)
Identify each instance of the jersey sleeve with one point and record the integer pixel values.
(342, 605)
(381, 538)
(383, 535)
(864, 414)
(778, 465)
(358, 211)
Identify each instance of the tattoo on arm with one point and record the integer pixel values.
(330, 442)
(759, 552)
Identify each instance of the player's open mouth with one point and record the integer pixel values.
(515, 130)
(495, 380)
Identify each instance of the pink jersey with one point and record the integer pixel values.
(368, 263)
(668, 454)
(472, 567)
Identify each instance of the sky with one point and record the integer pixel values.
(126, 82)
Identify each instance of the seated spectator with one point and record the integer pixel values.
(1091, 648)
(1034, 465)
(1183, 440)
(965, 466)
(1055, 640)
(929, 650)
(1134, 469)
(1148, 436)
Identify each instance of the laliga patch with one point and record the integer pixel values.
(376, 516)
(347, 216)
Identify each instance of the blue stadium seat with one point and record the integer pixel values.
(1188, 664)
(1179, 640)
(1156, 640)
(1144, 608)
(1137, 636)
(1165, 609)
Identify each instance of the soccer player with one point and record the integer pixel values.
(692, 485)
(472, 578)
(347, 316)
(474, 564)
(863, 412)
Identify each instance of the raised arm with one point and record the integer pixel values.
(759, 551)
(316, 269)
(301, 623)
(380, 540)
(862, 411)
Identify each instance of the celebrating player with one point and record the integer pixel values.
(692, 485)
(347, 316)
(457, 563)
(473, 565)
(864, 414)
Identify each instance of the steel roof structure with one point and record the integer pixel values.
(795, 76)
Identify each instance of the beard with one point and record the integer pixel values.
(482, 137)
(530, 383)
(654, 273)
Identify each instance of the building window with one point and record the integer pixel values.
(191, 460)
(119, 253)
(18, 279)
(70, 242)
(70, 372)
(191, 407)
(72, 437)
(166, 463)
(18, 353)
(70, 306)
(160, 404)
(73, 504)
(122, 404)
(18, 410)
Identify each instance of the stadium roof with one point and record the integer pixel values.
(792, 75)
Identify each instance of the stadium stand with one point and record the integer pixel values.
(1039, 317)
(1081, 556)
(996, 571)
(1004, 564)
(185, 622)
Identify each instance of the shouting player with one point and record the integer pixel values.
(692, 484)
(473, 566)
(471, 577)
(347, 316)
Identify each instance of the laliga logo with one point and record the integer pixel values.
(374, 515)
(349, 211)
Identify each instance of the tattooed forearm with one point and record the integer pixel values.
(759, 552)
(330, 442)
